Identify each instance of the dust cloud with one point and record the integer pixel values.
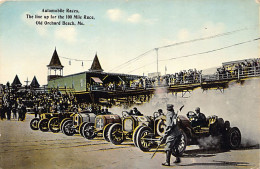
(239, 104)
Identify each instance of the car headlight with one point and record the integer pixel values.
(128, 125)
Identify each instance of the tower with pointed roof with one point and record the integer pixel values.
(55, 68)
(34, 83)
(96, 67)
(16, 82)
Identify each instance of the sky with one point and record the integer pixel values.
(121, 31)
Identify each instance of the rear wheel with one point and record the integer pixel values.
(43, 125)
(142, 138)
(67, 128)
(180, 145)
(34, 124)
(62, 124)
(115, 134)
(105, 132)
(54, 124)
(135, 135)
(88, 131)
(81, 128)
(233, 138)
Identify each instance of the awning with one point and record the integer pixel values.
(96, 79)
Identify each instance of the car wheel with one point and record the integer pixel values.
(135, 135)
(43, 125)
(62, 124)
(34, 124)
(81, 128)
(54, 125)
(142, 138)
(105, 132)
(233, 138)
(180, 145)
(115, 134)
(88, 131)
(67, 128)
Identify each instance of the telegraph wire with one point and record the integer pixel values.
(74, 59)
(77, 60)
(141, 67)
(180, 43)
(200, 53)
(210, 51)
(136, 58)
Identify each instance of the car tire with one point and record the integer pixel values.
(115, 134)
(67, 130)
(43, 125)
(105, 132)
(135, 134)
(54, 125)
(34, 124)
(181, 145)
(144, 145)
(88, 131)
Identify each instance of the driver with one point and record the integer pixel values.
(137, 112)
(201, 118)
(160, 112)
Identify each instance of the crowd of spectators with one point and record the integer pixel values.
(182, 77)
(22, 102)
(240, 68)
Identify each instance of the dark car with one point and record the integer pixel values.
(230, 137)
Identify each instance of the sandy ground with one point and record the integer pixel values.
(21, 147)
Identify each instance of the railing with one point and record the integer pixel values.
(233, 74)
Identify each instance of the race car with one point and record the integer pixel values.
(100, 126)
(230, 137)
(131, 124)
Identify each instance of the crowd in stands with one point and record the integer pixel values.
(240, 68)
(182, 77)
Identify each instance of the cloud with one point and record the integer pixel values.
(134, 18)
(115, 14)
(68, 34)
(183, 34)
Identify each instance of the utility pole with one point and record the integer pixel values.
(156, 49)
(27, 81)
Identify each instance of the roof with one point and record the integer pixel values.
(55, 61)
(96, 67)
(16, 81)
(35, 83)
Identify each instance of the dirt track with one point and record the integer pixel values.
(21, 147)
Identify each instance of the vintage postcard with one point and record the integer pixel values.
(129, 84)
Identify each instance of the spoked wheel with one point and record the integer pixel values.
(142, 139)
(62, 124)
(67, 128)
(81, 128)
(115, 134)
(43, 125)
(233, 138)
(181, 144)
(105, 132)
(54, 124)
(88, 131)
(34, 124)
(135, 134)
